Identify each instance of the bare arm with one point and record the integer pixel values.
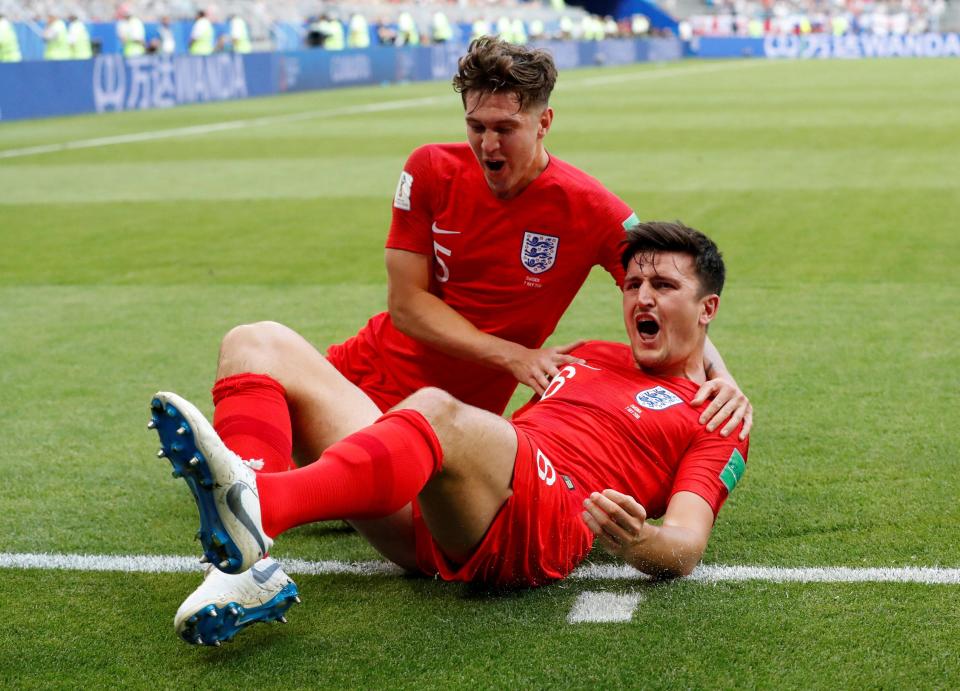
(729, 405)
(420, 314)
(671, 549)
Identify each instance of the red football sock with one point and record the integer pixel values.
(370, 474)
(252, 419)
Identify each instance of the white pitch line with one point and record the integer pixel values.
(603, 608)
(146, 563)
(221, 126)
(382, 106)
(662, 73)
(713, 573)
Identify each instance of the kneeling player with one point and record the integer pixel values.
(444, 488)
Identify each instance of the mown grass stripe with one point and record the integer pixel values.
(366, 108)
(712, 573)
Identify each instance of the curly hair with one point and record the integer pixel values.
(492, 65)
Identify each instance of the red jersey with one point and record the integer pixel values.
(607, 424)
(510, 267)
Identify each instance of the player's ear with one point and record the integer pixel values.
(709, 304)
(546, 119)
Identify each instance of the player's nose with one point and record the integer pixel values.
(645, 294)
(490, 141)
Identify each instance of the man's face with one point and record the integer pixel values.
(507, 142)
(665, 315)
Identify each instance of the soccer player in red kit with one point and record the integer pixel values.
(489, 242)
(462, 493)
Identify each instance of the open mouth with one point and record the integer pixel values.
(647, 328)
(494, 165)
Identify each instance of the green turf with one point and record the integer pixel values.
(832, 188)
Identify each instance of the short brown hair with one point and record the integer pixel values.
(492, 65)
(652, 237)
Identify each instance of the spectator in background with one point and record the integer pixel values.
(55, 38)
(407, 32)
(9, 43)
(537, 29)
(358, 31)
(201, 35)
(333, 28)
(639, 25)
(505, 29)
(440, 30)
(479, 27)
(316, 32)
(386, 34)
(131, 32)
(518, 31)
(79, 39)
(610, 28)
(166, 44)
(238, 34)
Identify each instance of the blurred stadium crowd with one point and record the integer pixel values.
(78, 29)
(837, 17)
(182, 26)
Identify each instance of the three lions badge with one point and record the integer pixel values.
(538, 252)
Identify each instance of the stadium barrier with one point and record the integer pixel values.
(819, 46)
(112, 82)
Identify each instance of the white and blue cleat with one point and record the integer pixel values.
(225, 604)
(223, 485)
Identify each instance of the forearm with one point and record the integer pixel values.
(713, 363)
(665, 550)
(428, 319)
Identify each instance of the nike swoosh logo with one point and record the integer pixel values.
(235, 504)
(263, 576)
(441, 231)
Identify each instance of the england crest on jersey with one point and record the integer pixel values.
(539, 252)
(657, 398)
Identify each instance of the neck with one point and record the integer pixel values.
(539, 164)
(688, 367)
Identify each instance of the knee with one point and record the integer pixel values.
(252, 337)
(438, 406)
(254, 347)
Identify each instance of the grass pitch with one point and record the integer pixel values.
(830, 186)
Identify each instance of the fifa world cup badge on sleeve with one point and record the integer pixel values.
(733, 471)
(401, 199)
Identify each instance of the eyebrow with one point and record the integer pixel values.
(496, 123)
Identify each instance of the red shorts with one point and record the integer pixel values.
(388, 366)
(537, 537)
(360, 361)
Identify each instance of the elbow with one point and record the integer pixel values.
(675, 563)
(400, 315)
(670, 571)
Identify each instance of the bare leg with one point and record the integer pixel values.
(458, 504)
(324, 406)
(479, 450)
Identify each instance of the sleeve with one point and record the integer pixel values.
(616, 216)
(413, 206)
(711, 468)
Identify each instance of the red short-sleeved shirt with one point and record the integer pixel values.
(607, 424)
(510, 267)
(601, 425)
